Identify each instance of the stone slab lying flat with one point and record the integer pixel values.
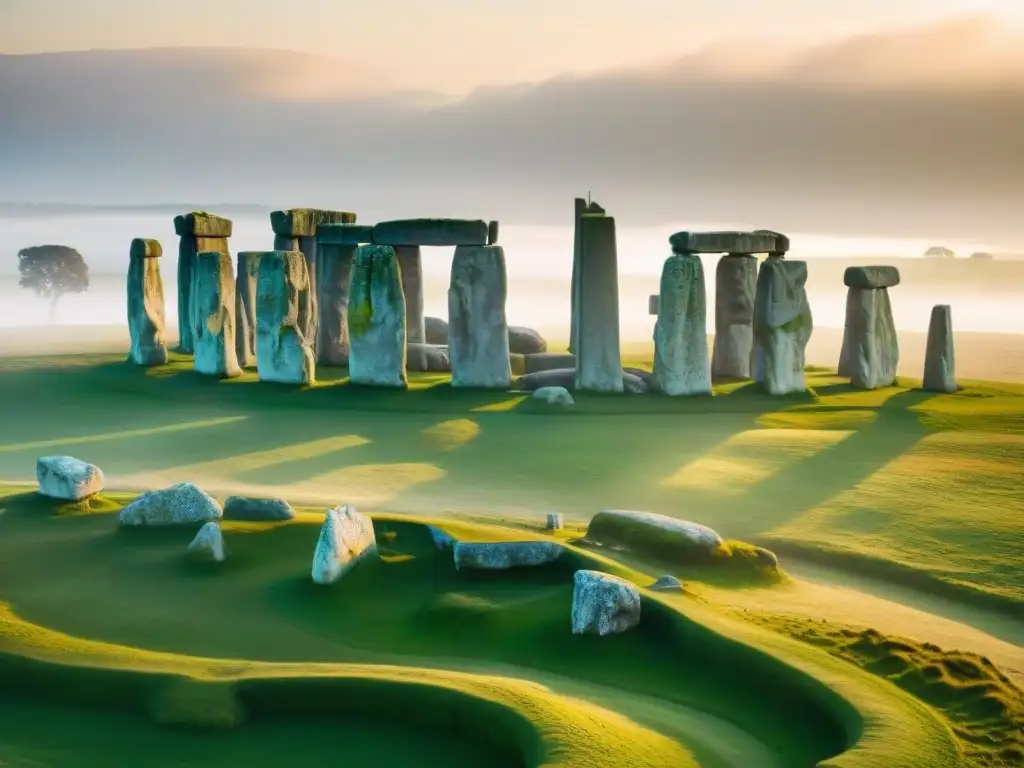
(431, 232)
(344, 234)
(302, 222)
(723, 242)
(202, 224)
(871, 277)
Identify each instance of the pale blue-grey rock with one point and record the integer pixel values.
(603, 604)
(68, 478)
(500, 555)
(208, 544)
(871, 277)
(598, 357)
(554, 396)
(181, 504)
(442, 539)
(334, 263)
(632, 382)
(346, 538)
(213, 312)
(145, 291)
(436, 330)
(735, 287)
(478, 330)
(284, 353)
(618, 520)
(376, 319)
(548, 361)
(410, 262)
(782, 326)
(554, 521)
(427, 358)
(667, 583)
(199, 232)
(257, 510)
(939, 357)
(525, 341)
(246, 277)
(681, 365)
(304, 222)
(871, 352)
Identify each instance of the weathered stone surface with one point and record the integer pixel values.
(307, 244)
(433, 232)
(427, 358)
(344, 234)
(246, 277)
(633, 384)
(68, 478)
(525, 341)
(442, 540)
(871, 350)
(627, 525)
(735, 287)
(213, 287)
(681, 364)
(782, 326)
(376, 319)
(478, 331)
(548, 361)
(579, 206)
(499, 555)
(598, 360)
(346, 538)
(940, 358)
(189, 248)
(286, 243)
(871, 277)
(410, 261)
(722, 242)
(566, 378)
(334, 263)
(181, 504)
(257, 510)
(554, 521)
(145, 291)
(209, 544)
(436, 330)
(653, 304)
(603, 604)
(781, 241)
(554, 396)
(303, 222)
(492, 233)
(667, 583)
(202, 224)
(284, 353)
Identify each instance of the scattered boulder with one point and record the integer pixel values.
(257, 510)
(181, 504)
(939, 358)
(526, 341)
(434, 232)
(505, 554)
(554, 396)
(208, 544)
(436, 330)
(645, 376)
(68, 478)
(346, 538)
(548, 361)
(603, 604)
(442, 540)
(427, 358)
(555, 521)
(681, 364)
(667, 583)
(657, 534)
(870, 278)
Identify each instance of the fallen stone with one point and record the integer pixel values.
(432, 232)
(478, 333)
(505, 554)
(526, 341)
(871, 352)
(303, 222)
(410, 262)
(632, 528)
(871, 277)
(782, 326)
(344, 234)
(555, 521)
(346, 538)
(145, 292)
(735, 288)
(181, 504)
(213, 332)
(554, 396)
(649, 382)
(427, 358)
(492, 233)
(939, 358)
(284, 353)
(603, 604)
(681, 365)
(598, 359)
(334, 263)
(436, 330)
(208, 544)
(566, 377)
(257, 510)
(67, 478)
(202, 224)
(442, 540)
(722, 242)
(246, 278)
(667, 583)
(548, 361)
(633, 384)
(376, 319)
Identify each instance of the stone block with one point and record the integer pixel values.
(502, 555)
(548, 361)
(436, 330)
(427, 358)
(67, 478)
(346, 539)
(145, 249)
(246, 276)
(653, 301)
(303, 222)
(871, 277)
(285, 243)
(432, 232)
(681, 364)
(598, 356)
(410, 261)
(202, 224)
(145, 293)
(939, 358)
(376, 319)
(525, 341)
(344, 234)
(782, 326)
(722, 242)
(735, 286)
(284, 353)
(478, 342)
(214, 314)
(334, 263)
(871, 352)
(492, 233)
(781, 241)
(580, 205)
(603, 604)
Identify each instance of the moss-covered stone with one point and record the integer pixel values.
(344, 234)
(303, 222)
(202, 224)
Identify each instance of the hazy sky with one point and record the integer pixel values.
(455, 45)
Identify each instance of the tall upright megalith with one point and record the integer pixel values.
(939, 356)
(213, 313)
(284, 302)
(581, 208)
(198, 232)
(598, 358)
(870, 354)
(376, 319)
(735, 286)
(477, 325)
(410, 262)
(782, 326)
(681, 365)
(246, 276)
(336, 246)
(146, 304)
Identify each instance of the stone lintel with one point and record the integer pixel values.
(492, 233)
(431, 232)
(871, 277)
(652, 304)
(344, 234)
(781, 241)
(146, 249)
(722, 242)
(302, 222)
(202, 224)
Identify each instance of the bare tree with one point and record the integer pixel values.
(51, 271)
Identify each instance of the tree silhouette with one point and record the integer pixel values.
(51, 271)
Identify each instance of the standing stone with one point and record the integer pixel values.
(213, 300)
(939, 358)
(598, 360)
(782, 326)
(478, 328)
(246, 276)
(146, 304)
(410, 261)
(603, 604)
(735, 286)
(199, 232)
(554, 521)
(580, 205)
(376, 319)
(335, 265)
(492, 233)
(870, 354)
(67, 478)
(681, 365)
(284, 353)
